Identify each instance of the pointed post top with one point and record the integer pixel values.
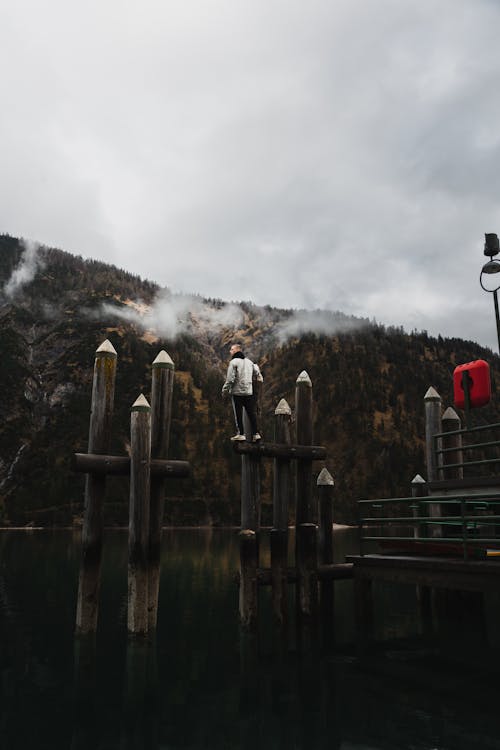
(451, 414)
(325, 478)
(304, 379)
(283, 408)
(141, 404)
(417, 479)
(106, 349)
(432, 395)
(164, 360)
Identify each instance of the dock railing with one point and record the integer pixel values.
(475, 456)
(468, 524)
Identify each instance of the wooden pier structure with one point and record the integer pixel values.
(445, 535)
(435, 539)
(313, 571)
(148, 468)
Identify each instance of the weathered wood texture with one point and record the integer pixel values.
(325, 488)
(453, 445)
(279, 532)
(140, 443)
(161, 415)
(275, 450)
(433, 426)
(103, 390)
(92, 463)
(250, 485)
(249, 556)
(334, 572)
(307, 572)
(424, 593)
(436, 572)
(304, 430)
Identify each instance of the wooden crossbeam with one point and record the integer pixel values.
(93, 463)
(277, 450)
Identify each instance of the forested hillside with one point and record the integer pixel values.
(369, 383)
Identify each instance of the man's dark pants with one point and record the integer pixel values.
(247, 403)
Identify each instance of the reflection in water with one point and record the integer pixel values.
(205, 684)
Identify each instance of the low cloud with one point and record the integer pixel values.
(173, 315)
(170, 316)
(30, 263)
(319, 322)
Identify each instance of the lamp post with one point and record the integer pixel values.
(491, 248)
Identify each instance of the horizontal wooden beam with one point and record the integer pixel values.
(335, 572)
(277, 450)
(93, 463)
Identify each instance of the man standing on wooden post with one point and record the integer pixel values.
(241, 374)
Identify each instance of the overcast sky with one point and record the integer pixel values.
(340, 153)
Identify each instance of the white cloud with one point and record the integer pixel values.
(301, 155)
(30, 263)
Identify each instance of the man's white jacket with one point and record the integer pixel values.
(240, 376)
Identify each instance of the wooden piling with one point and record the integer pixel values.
(453, 445)
(250, 485)
(249, 556)
(249, 536)
(325, 484)
(433, 425)
(103, 389)
(307, 572)
(304, 428)
(279, 532)
(140, 442)
(161, 414)
(424, 593)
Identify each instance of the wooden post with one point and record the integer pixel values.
(103, 391)
(305, 513)
(451, 422)
(249, 555)
(424, 593)
(249, 539)
(307, 572)
(161, 413)
(325, 484)
(140, 444)
(433, 425)
(279, 532)
(250, 485)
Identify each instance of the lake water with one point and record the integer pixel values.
(203, 684)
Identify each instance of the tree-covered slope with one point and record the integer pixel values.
(369, 383)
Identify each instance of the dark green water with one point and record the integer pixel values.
(203, 685)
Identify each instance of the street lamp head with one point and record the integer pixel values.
(491, 247)
(492, 266)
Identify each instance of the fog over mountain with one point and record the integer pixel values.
(337, 156)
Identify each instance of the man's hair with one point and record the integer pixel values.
(236, 345)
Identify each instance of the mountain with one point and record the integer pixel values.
(56, 309)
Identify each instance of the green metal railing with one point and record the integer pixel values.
(463, 522)
(468, 433)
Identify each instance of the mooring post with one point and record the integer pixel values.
(249, 560)
(433, 426)
(325, 484)
(279, 532)
(162, 385)
(307, 574)
(103, 391)
(140, 470)
(453, 445)
(424, 593)
(249, 536)
(305, 513)
(306, 591)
